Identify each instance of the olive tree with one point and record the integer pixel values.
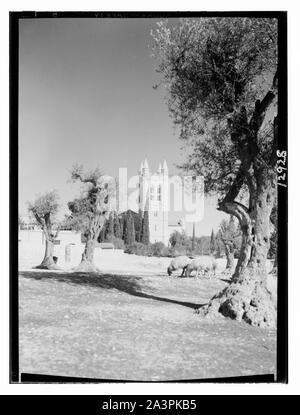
(221, 80)
(90, 211)
(44, 208)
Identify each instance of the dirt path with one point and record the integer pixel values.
(134, 327)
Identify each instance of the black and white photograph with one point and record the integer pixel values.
(151, 197)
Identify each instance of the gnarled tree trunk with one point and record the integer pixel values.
(48, 262)
(247, 297)
(87, 259)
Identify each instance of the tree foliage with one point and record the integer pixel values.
(145, 237)
(215, 71)
(222, 83)
(179, 239)
(129, 232)
(213, 243)
(231, 237)
(117, 226)
(139, 227)
(111, 225)
(93, 203)
(44, 208)
(92, 208)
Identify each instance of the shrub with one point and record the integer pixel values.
(169, 252)
(137, 248)
(157, 249)
(180, 250)
(179, 239)
(118, 242)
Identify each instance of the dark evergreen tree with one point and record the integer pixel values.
(117, 226)
(110, 226)
(129, 233)
(219, 245)
(123, 225)
(231, 237)
(193, 238)
(139, 226)
(102, 233)
(212, 243)
(145, 239)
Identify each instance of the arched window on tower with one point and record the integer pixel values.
(159, 193)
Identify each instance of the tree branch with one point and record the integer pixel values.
(262, 106)
(237, 209)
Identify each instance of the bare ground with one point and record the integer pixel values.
(133, 326)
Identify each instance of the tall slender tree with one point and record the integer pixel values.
(231, 237)
(212, 245)
(139, 228)
(117, 227)
(219, 245)
(123, 225)
(129, 237)
(145, 229)
(193, 238)
(111, 225)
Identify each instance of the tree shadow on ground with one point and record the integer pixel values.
(130, 284)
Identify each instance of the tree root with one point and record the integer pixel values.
(86, 266)
(248, 301)
(47, 264)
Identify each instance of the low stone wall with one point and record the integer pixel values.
(32, 247)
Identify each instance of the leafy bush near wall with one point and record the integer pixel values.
(117, 242)
(157, 249)
(137, 248)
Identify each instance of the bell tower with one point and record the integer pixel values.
(153, 194)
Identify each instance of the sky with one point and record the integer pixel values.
(86, 96)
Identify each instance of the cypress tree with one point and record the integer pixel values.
(145, 229)
(110, 225)
(123, 225)
(117, 226)
(212, 244)
(121, 222)
(129, 234)
(103, 232)
(219, 244)
(193, 238)
(139, 228)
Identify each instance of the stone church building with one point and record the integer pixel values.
(154, 197)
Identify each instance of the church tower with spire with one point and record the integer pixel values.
(153, 195)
